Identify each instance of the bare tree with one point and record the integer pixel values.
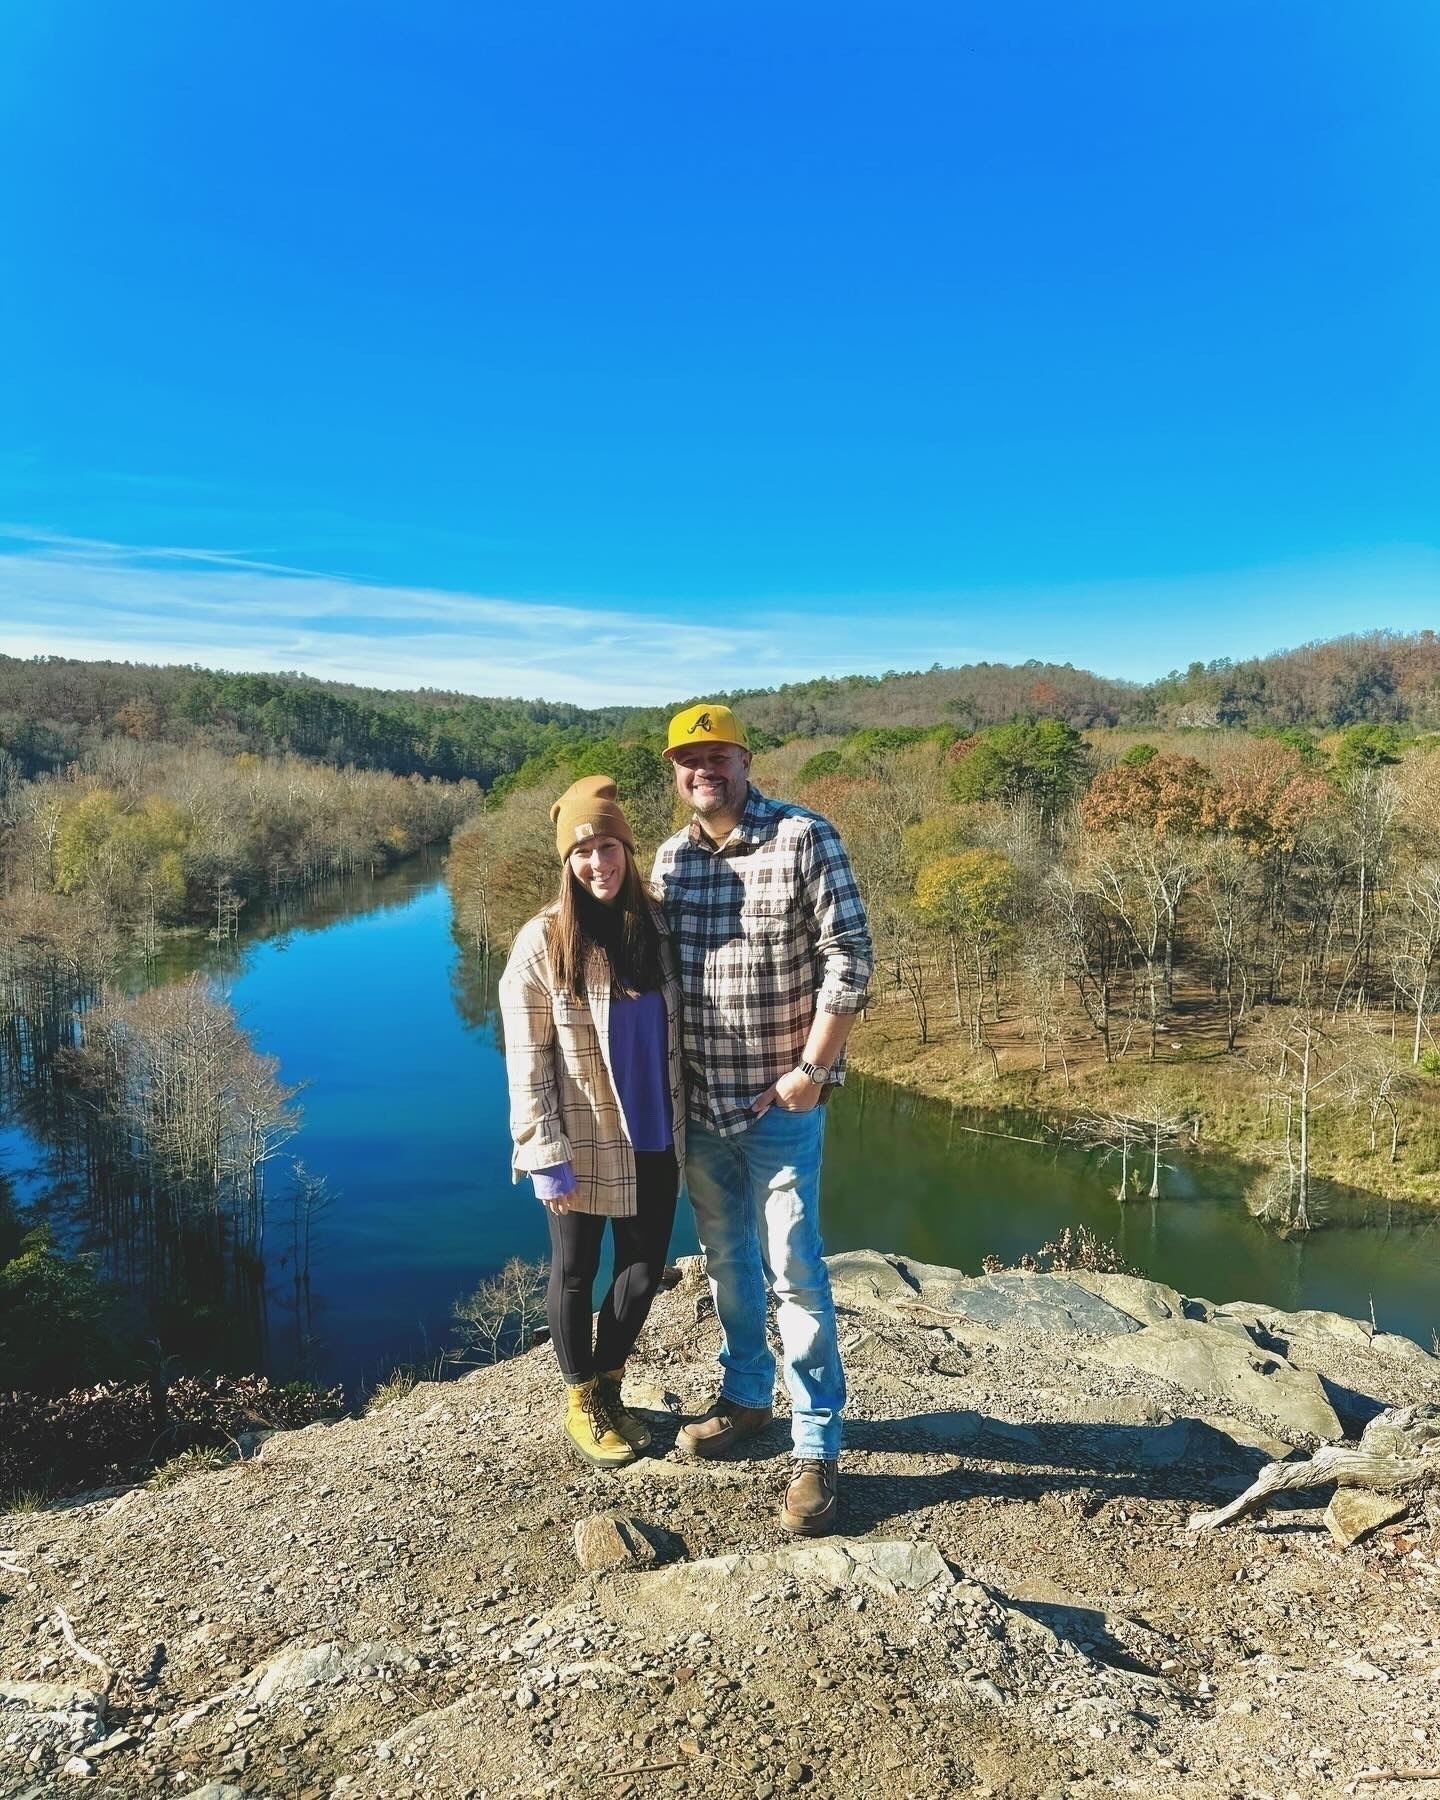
(1418, 948)
(1306, 1065)
(1141, 879)
(1092, 952)
(501, 1316)
(1112, 1134)
(1164, 1119)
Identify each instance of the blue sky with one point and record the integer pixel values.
(623, 352)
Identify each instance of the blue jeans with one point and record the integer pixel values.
(757, 1206)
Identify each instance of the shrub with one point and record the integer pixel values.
(827, 762)
(1077, 1249)
(113, 1432)
(395, 1387)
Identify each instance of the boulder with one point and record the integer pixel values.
(1148, 1302)
(1404, 1349)
(1208, 1360)
(1247, 1436)
(971, 1433)
(1016, 1301)
(1355, 1512)
(60, 1697)
(608, 1541)
(1402, 1431)
(868, 1281)
(691, 1273)
(1270, 1322)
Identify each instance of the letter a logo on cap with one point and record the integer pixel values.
(701, 724)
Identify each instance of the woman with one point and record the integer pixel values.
(590, 1002)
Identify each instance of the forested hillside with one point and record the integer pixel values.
(52, 709)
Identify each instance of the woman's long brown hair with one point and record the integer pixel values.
(625, 931)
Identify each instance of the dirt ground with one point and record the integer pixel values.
(392, 1606)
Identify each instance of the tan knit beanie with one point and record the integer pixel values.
(588, 809)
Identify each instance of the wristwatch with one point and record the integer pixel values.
(817, 1072)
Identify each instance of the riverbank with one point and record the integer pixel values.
(393, 1605)
(1219, 1091)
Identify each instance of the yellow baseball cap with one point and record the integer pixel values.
(706, 723)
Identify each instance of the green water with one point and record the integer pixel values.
(366, 999)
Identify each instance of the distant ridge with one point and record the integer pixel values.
(53, 708)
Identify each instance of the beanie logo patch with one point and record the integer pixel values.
(587, 830)
(701, 724)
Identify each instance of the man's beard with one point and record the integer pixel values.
(716, 800)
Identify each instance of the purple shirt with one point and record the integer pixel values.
(640, 1058)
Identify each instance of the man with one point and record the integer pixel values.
(774, 960)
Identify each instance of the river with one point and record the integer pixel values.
(366, 999)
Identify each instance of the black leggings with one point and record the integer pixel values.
(640, 1246)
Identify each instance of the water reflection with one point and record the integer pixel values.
(938, 1182)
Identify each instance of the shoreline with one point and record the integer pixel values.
(1230, 1116)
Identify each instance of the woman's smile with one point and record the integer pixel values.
(599, 866)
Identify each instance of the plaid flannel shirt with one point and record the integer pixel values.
(770, 929)
(563, 1102)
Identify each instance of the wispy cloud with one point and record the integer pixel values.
(79, 597)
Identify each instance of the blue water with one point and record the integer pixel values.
(405, 1116)
(367, 1000)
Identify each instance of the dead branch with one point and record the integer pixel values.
(89, 1656)
(8, 1564)
(1379, 1462)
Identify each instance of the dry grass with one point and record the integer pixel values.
(200, 1461)
(1222, 1091)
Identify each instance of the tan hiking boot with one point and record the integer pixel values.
(590, 1428)
(631, 1426)
(722, 1429)
(812, 1498)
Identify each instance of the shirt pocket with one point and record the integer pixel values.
(576, 1044)
(768, 914)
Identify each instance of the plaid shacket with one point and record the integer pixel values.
(563, 1103)
(770, 929)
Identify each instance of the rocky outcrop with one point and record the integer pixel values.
(435, 1599)
(1234, 1356)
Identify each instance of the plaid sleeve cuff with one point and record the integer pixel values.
(835, 998)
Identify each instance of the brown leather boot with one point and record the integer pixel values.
(722, 1429)
(811, 1500)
